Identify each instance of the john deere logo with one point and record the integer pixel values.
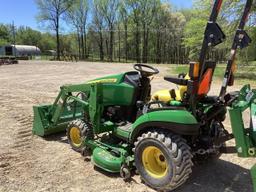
(104, 81)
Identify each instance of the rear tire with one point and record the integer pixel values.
(76, 133)
(164, 161)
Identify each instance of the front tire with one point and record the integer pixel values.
(76, 133)
(163, 161)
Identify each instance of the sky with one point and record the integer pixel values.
(23, 12)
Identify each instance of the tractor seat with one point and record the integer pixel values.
(167, 95)
(203, 85)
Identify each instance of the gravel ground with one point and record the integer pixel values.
(32, 163)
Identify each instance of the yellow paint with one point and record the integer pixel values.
(103, 81)
(162, 95)
(75, 136)
(165, 96)
(154, 162)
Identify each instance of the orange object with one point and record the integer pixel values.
(205, 84)
(234, 67)
(196, 70)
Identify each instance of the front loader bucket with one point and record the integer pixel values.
(42, 125)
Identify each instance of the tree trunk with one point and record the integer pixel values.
(158, 48)
(58, 39)
(85, 45)
(82, 44)
(107, 48)
(111, 42)
(125, 43)
(137, 43)
(79, 44)
(145, 45)
(101, 47)
(119, 44)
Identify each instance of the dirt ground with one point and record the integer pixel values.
(31, 163)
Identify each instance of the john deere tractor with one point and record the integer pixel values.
(117, 121)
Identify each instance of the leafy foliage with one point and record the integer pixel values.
(132, 30)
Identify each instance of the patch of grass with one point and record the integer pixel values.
(252, 63)
(243, 72)
(219, 71)
(246, 72)
(180, 69)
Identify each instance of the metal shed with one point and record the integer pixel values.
(19, 50)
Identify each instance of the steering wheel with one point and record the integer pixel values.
(145, 70)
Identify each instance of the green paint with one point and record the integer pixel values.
(42, 126)
(118, 94)
(50, 119)
(245, 138)
(106, 161)
(168, 116)
(175, 103)
(172, 116)
(115, 92)
(238, 130)
(112, 79)
(253, 174)
(123, 134)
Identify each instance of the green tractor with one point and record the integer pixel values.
(117, 121)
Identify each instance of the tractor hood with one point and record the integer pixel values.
(115, 79)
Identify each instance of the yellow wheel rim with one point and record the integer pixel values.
(154, 162)
(75, 136)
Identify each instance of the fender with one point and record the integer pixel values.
(180, 122)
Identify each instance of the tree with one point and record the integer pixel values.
(160, 22)
(148, 11)
(77, 16)
(47, 42)
(27, 36)
(168, 35)
(98, 25)
(194, 30)
(5, 36)
(51, 11)
(228, 19)
(134, 5)
(108, 9)
(124, 18)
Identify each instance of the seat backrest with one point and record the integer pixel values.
(205, 84)
(206, 80)
(200, 86)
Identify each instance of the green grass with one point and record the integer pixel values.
(243, 72)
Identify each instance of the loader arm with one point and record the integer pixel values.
(241, 40)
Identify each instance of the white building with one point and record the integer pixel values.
(19, 50)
